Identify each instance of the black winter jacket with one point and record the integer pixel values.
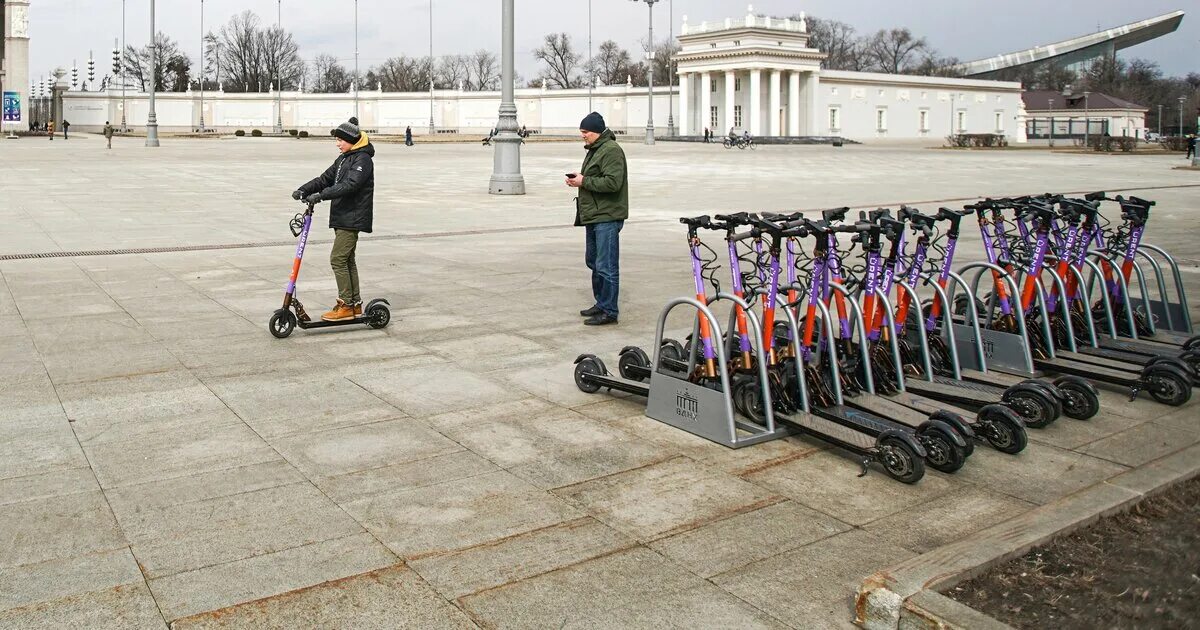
(349, 185)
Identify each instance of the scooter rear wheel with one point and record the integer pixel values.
(283, 322)
(940, 451)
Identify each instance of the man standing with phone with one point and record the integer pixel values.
(601, 207)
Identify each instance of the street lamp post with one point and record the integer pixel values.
(670, 70)
(506, 161)
(650, 73)
(278, 70)
(356, 58)
(1181, 101)
(591, 60)
(124, 126)
(1052, 123)
(202, 68)
(1160, 121)
(152, 119)
(431, 64)
(1087, 120)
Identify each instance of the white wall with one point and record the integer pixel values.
(858, 95)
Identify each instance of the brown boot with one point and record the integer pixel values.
(341, 311)
(358, 309)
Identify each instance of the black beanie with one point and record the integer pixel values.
(348, 131)
(593, 122)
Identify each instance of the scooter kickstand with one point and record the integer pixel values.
(866, 466)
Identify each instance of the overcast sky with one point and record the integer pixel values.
(65, 30)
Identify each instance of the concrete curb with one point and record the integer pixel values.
(905, 595)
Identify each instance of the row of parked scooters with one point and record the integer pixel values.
(828, 334)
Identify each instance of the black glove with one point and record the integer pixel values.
(313, 199)
(297, 195)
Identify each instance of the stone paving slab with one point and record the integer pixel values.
(392, 597)
(279, 483)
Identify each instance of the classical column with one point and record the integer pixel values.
(814, 86)
(683, 105)
(794, 104)
(706, 102)
(773, 104)
(756, 102)
(728, 102)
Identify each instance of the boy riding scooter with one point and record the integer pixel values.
(349, 186)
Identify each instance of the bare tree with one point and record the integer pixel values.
(404, 74)
(172, 65)
(252, 57)
(835, 39)
(281, 58)
(561, 61)
(895, 51)
(452, 70)
(663, 64)
(327, 75)
(934, 66)
(612, 63)
(484, 71)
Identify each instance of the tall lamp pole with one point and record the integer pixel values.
(124, 126)
(591, 60)
(671, 72)
(152, 119)
(650, 74)
(356, 58)
(201, 66)
(1160, 121)
(278, 70)
(506, 161)
(431, 64)
(1052, 123)
(1087, 120)
(1181, 100)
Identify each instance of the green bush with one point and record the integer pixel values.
(257, 133)
(303, 134)
(977, 140)
(239, 133)
(294, 132)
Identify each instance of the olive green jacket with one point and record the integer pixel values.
(604, 195)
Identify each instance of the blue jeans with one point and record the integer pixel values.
(602, 255)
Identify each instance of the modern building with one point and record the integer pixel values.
(1070, 114)
(1077, 52)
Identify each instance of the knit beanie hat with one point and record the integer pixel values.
(593, 122)
(348, 131)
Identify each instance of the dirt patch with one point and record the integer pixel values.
(1138, 569)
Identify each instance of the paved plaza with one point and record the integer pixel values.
(165, 461)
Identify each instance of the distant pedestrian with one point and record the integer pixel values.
(707, 135)
(50, 129)
(32, 125)
(1191, 146)
(108, 133)
(602, 207)
(66, 129)
(408, 136)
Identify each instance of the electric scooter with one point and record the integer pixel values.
(376, 314)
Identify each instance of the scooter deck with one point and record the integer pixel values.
(320, 323)
(1137, 347)
(860, 420)
(885, 408)
(824, 428)
(1167, 337)
(929, 406)
(620, 384)
(993, 377)
(959, 392)
(1102, 359)
(1086, 370)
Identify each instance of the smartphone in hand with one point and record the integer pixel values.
(571, 175)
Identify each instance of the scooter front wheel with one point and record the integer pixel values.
(378, 314)
(283, 322)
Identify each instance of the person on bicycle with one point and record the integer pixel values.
(349, 186)
(733, 134)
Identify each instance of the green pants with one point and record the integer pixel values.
(341, 258)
